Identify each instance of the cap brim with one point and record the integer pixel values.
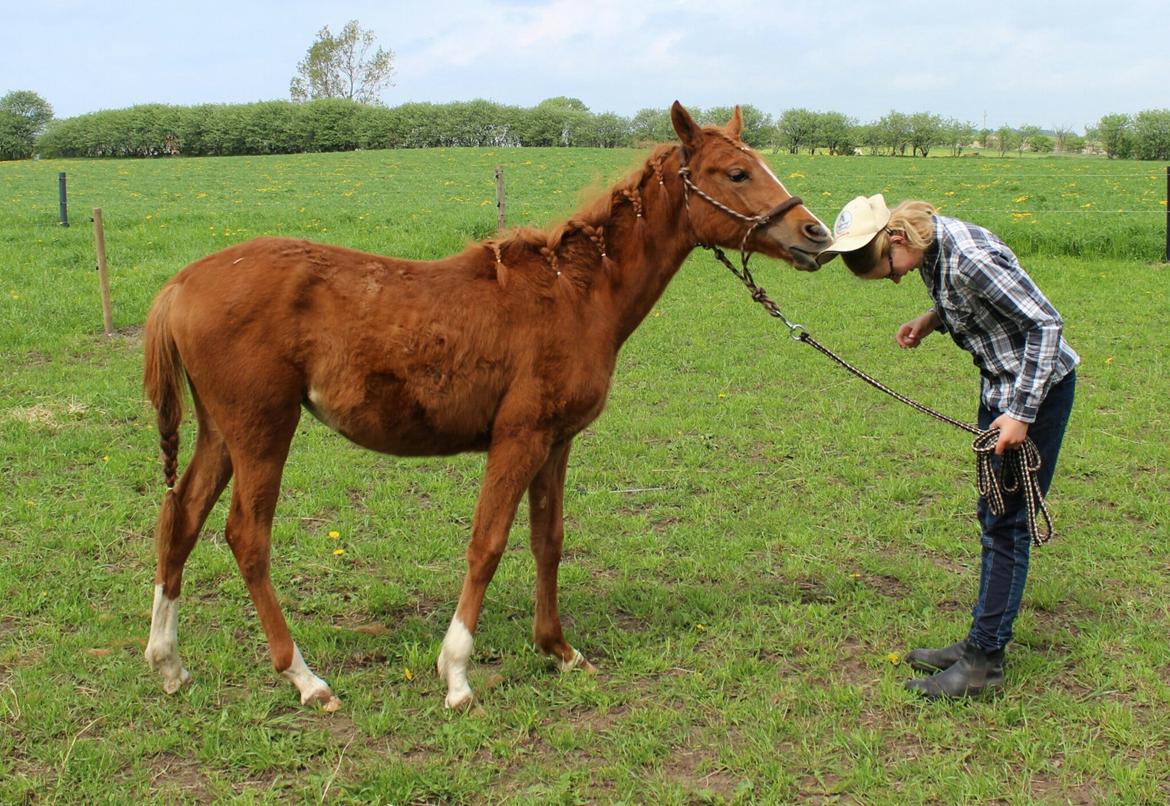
(849, 243)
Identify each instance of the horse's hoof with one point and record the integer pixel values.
(461, 699)
(174, 683)
(324, 697)
(330, 705)
(577, 662)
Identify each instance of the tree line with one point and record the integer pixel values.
(332, 124)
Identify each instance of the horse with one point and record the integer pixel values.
(508, 347)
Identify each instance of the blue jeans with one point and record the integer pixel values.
(1006, 542)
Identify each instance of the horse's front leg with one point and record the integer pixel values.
(546, 497)
(512, 462)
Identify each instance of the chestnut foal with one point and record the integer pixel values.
(507, 347)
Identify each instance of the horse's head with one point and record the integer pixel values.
(736, 201)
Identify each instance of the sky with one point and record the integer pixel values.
(989, 62)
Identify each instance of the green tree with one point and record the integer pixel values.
(1151, 134)
(1042, 144)
(23, 118)
(926, 131)
(652, 126)
(797, 128)
(1027, 136)
(607, 130)
(870, 136)
(958, 135)
(1005, 139)
(559, 121)
(836, 132)
(343, 66)
(1116, 135)
(894, 131)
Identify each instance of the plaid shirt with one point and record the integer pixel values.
(993, 310)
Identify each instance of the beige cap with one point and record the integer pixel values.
(856, 225)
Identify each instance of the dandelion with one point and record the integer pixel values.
(1109, 360)
(338, 552)
(722, 395)
(700, 628)
(334, 534)
(1021, 199)
(855, 575)
(106, 458)
(893, 658)
(796, 175)
(407, 674)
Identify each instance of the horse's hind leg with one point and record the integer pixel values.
(249, 533)
(546, 497)
(183, 512)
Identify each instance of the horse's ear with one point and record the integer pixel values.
(735, 125)
(684, 125)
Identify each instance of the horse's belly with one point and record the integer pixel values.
(390, 419)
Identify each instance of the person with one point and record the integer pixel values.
(991, 308)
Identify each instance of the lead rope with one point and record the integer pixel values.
(1019, 467)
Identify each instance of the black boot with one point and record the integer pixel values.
(977, 673)
(935, 660)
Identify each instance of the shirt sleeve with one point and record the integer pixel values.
(996, 277)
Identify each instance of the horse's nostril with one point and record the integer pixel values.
(817, 232)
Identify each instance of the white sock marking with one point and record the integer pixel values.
(308, 684)
(453, 657)
(162, 650)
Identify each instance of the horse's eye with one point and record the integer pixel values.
(737, 175)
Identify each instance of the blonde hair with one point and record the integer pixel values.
(913, 220)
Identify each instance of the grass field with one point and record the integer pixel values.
(754, 539)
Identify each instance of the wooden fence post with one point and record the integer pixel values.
(103, 276)
(500, 204)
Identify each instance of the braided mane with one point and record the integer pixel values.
(578, 244)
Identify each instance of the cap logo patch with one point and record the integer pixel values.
(843, 221)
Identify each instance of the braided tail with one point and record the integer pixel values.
(164, 378)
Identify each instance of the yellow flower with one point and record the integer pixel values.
(1109, 360)
(855, 575)
(338, 552)
(700, 628)
(893, 658)
(334, 534)
(407, 674)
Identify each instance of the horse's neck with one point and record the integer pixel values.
(648, 251)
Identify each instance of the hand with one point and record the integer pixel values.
(912, 333)
(1012, 433)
